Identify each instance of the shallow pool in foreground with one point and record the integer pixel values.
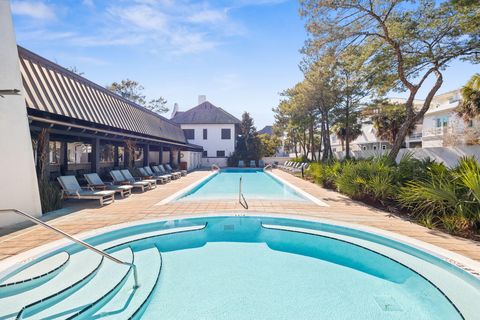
(253, 268)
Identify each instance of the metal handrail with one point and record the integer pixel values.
(240, 195)
(215, 166)
(267, 166)
(80, 242)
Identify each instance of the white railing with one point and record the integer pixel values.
(215, 167)
(240, 195)
(268, 166)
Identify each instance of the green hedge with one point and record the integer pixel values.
(430, 192)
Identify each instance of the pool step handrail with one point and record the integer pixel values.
(215, 166)
(267, 167)
(78, 241)
(240, 195)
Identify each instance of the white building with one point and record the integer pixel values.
(439, 127)
(210, 127)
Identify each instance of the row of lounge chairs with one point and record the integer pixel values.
(123, 183)
(253, 164)
(292, 166)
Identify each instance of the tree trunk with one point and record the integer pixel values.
(312, 143)
(412, 118)
(347, 129)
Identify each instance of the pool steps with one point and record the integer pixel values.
(79, 288)
(34, 275)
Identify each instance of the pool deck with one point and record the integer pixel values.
(82, 216)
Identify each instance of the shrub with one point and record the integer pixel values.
(50, 195)
(324, 173)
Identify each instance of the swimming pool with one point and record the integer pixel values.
(249, 267)
(256, 185)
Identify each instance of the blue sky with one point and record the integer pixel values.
(240, 53)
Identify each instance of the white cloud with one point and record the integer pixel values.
(33, 9)
(209, 16)
(88, 3)
(141, 16)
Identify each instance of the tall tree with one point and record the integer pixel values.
(469, 107)
(270, 144)
(402, 43)
(133, 91)
(249, 146)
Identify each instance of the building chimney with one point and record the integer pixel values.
(175, 109)
(202, 98)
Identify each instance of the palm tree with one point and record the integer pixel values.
(340, 131)
(469, 107)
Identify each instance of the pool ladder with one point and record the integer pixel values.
(215, 167)
(241, 198)
(80, 242)
(268, 166)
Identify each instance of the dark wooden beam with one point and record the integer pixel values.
(146, 155)
(95, 160)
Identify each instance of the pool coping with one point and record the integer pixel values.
(298, 190)
(466, 264)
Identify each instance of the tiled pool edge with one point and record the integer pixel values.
(467, 264)
(299, 190)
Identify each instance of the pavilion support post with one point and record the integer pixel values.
(95, 160)
(179, 157)
(160, 154)
(64, 157)
(115, 156)
(146, 154)
(171, 155)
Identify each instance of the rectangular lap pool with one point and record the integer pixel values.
(257, 185)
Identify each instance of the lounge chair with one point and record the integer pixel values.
(128, 176)
(261, 163)
(72, 190)
(158, 171)
(253, 164)
(119, 179)
(95, 182)
(175, 175)
(241, 164)
(145, 175)
(165, 177)
(170, 169)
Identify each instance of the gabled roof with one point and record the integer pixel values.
(267, 130)
(56, 91)
(205, 113)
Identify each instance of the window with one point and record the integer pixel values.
(226, 134)
(442, 122)
(470, 123)
(205, 153)
(54, 156)
(334, 139)
(374, 147)
(384, 147)
(221, 153)
(364, 148)
(107, 153)
(189, 133)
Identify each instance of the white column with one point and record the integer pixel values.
(18, 176)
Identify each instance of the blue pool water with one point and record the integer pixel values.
(249, 268)
(257, 185)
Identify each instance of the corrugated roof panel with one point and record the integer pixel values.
(51, 88)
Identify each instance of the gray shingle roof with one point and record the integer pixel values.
(205, 113)
(55, 90)
(267, 130)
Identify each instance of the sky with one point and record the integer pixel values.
(239, 53)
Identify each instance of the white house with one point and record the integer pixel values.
(210, 127)
(439, 127)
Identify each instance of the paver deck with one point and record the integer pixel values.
(81, 216)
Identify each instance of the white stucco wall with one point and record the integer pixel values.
(19, 181)
(193, 159)
(214, 141)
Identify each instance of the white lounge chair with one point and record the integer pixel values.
(241, 164)
(95, 182)
(253, 164)
(145, 175)
(170, 169)
(128, 176)
(119, 179)
(161, 172)
(71, 189)
(165, 177)
(261, 163)
(175, 175)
